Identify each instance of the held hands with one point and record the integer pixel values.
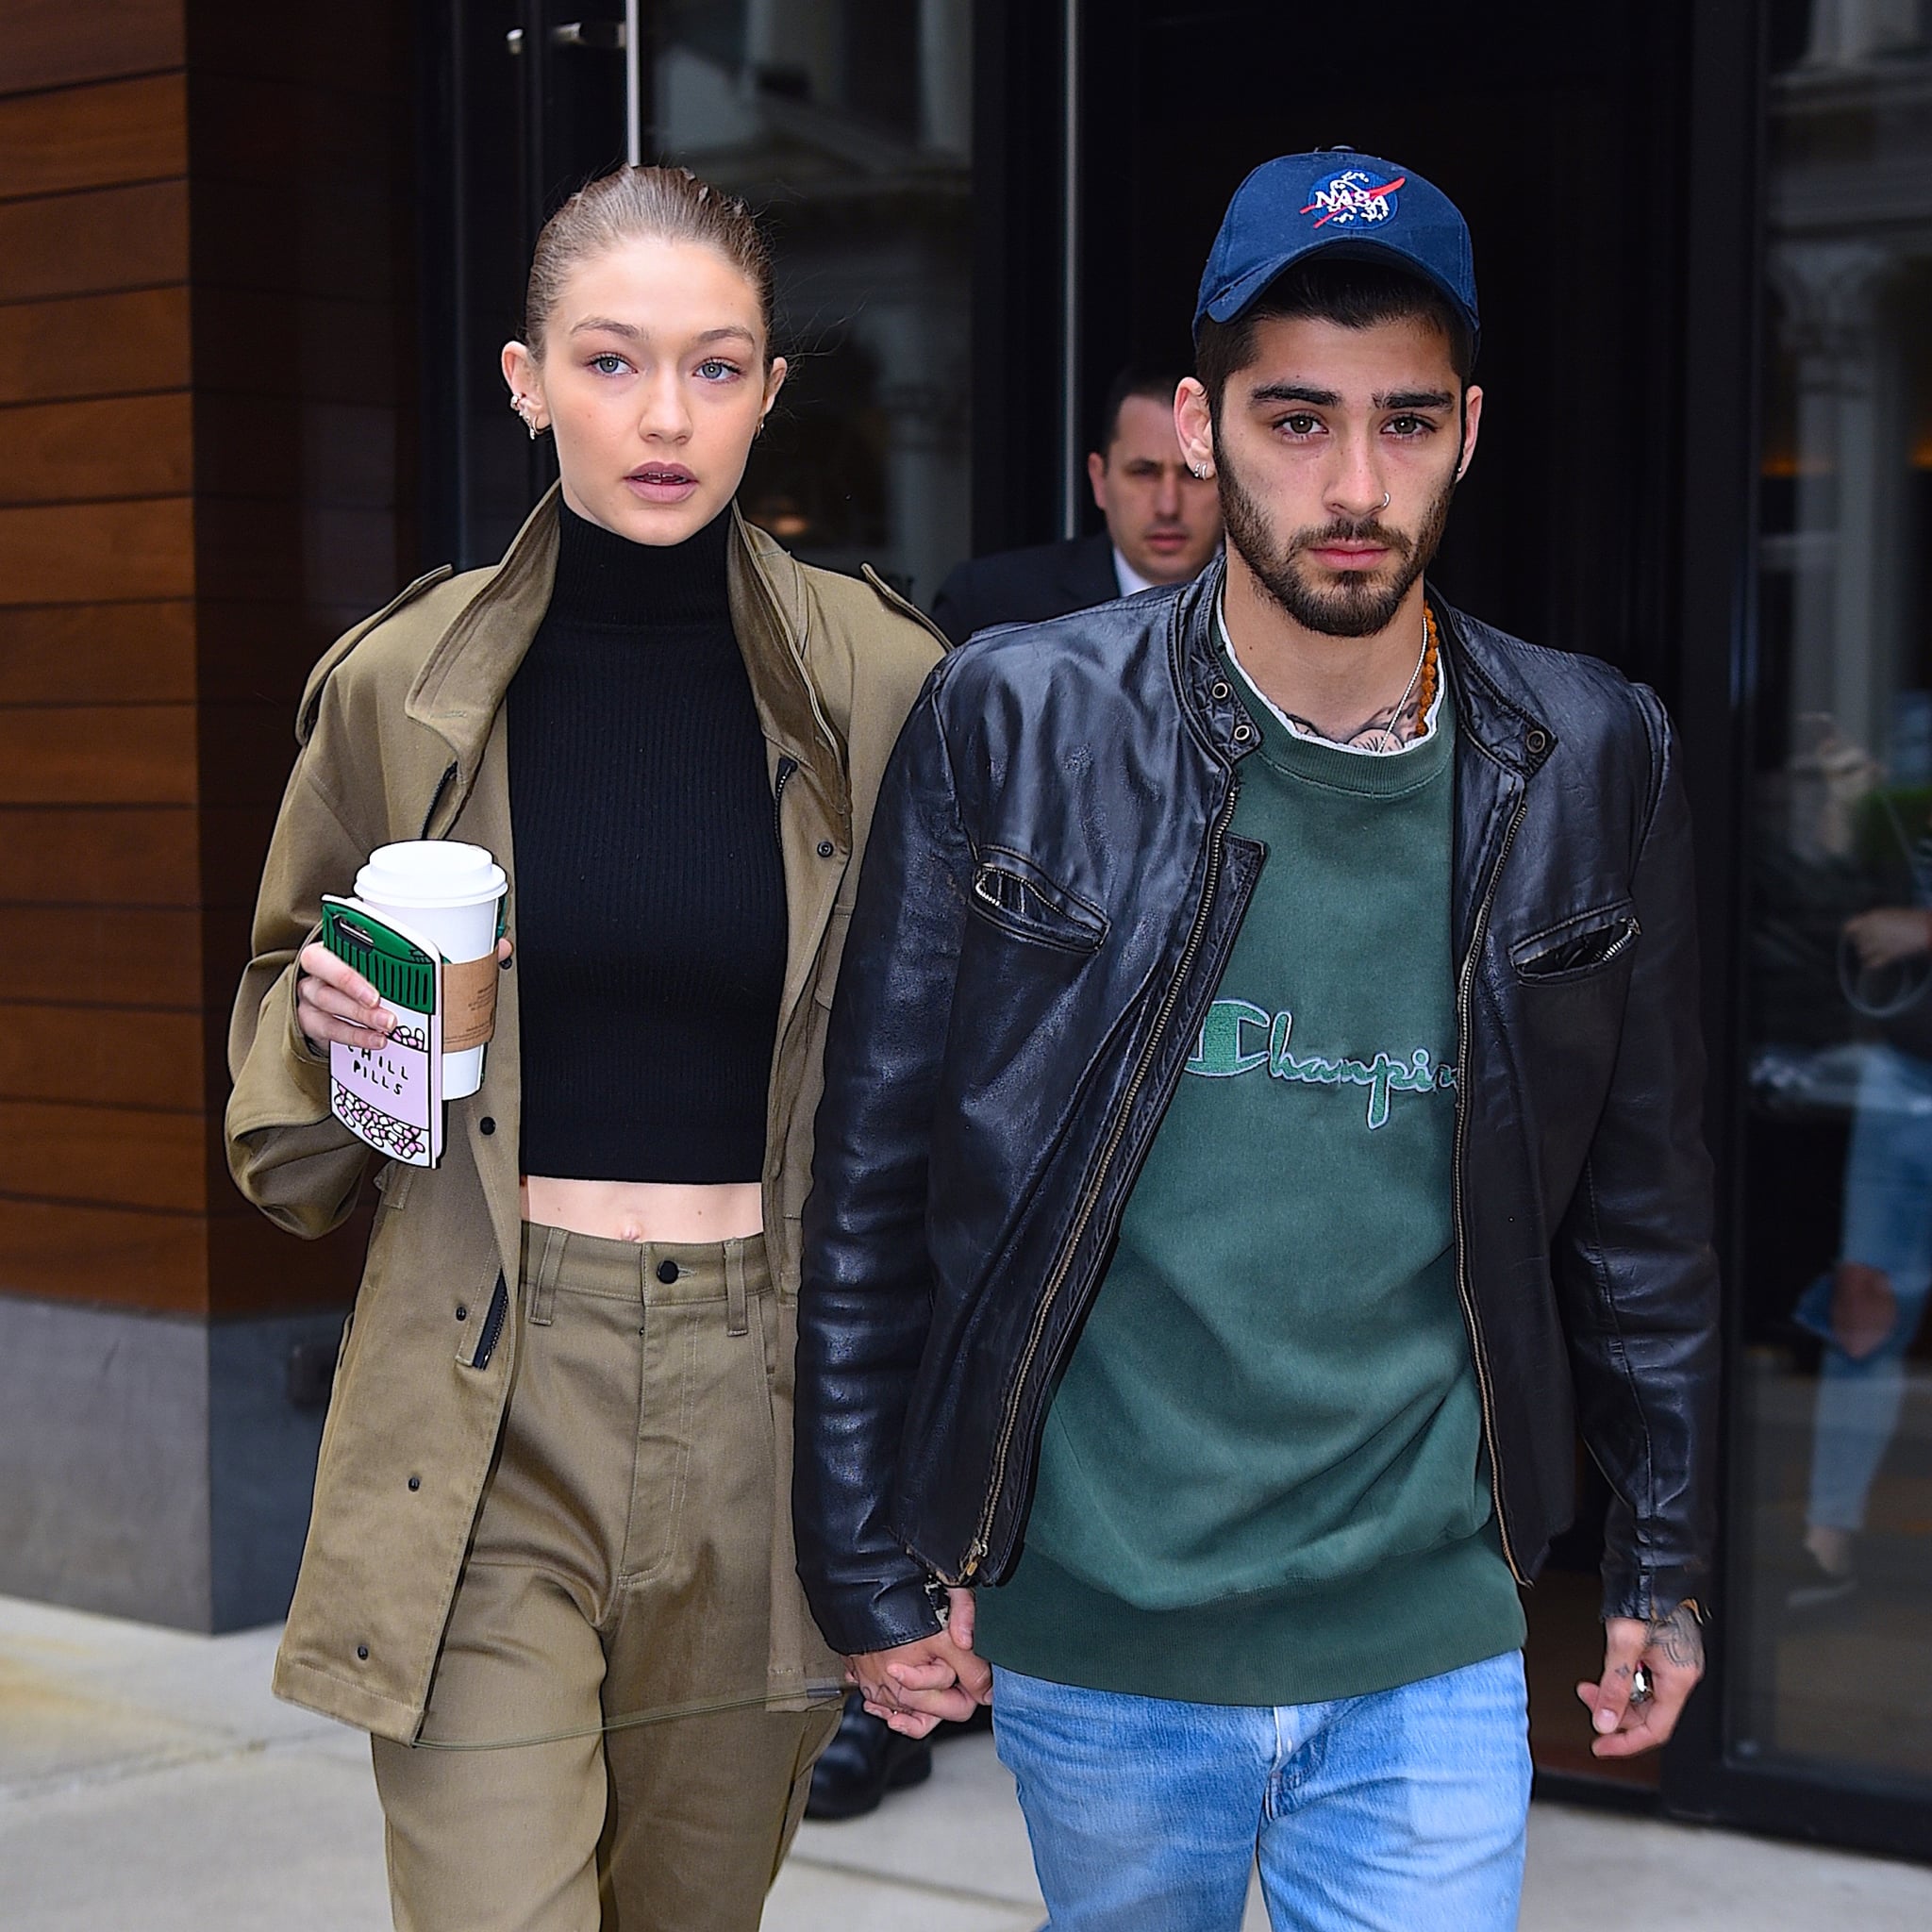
(914, 1686)
(335, 1004)
(1671, 1649)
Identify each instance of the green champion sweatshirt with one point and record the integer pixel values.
(1262, 1478)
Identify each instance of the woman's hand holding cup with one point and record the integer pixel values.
(335, 1004)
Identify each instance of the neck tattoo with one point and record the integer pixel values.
(1393, 726)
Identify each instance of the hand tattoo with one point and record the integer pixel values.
(1680, 1638)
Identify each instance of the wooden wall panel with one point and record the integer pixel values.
(91, 243)
(116, 1157)
(98, 754)
(75, 654)
(97, 551)
(111, 1256)
(56, 42)
(100, 1057)
(199, 488)
(97, 451)
(94, 137)
(94, 345)
(101, 956)
(98, 855)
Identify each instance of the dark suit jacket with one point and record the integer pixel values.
(1027, 586)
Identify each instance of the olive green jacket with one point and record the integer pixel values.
(402, 736)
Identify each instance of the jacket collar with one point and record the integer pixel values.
(460, 686)
(1495, 709)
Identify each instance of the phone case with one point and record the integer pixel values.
(392, 1095)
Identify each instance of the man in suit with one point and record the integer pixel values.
(1163, 522)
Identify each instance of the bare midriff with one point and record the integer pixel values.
(646, 1210)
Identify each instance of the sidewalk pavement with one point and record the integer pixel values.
(149, 1783)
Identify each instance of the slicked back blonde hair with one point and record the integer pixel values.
(632, 203)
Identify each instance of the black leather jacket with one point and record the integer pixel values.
(1048, 901)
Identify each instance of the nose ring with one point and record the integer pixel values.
(1385, 499)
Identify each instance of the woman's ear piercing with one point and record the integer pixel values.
(525, 412)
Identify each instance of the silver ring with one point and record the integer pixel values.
(1642, 1690)
(1385, 499)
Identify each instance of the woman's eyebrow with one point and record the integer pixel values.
(730, 331)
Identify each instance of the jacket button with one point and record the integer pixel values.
(827, 848)
(487, 1124)
(1537, 742)
(1220, 690)
(667, 1271)
(1243, 733)
(462, 1312)
(415, 1482)
(363, 1652)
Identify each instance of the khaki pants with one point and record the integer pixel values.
(620, 1567)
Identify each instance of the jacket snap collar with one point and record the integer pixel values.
(1500, 725)
(1207, 694)
(1498, 721)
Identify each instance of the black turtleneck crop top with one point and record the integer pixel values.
(650, 899)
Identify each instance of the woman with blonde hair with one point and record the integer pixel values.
(550, 1566)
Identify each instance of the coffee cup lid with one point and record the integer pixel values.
(430, 872)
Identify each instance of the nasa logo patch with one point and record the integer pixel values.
(1353, 199)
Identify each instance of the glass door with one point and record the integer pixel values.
(1830, 1618)
(846, 124)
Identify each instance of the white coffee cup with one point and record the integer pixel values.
(448, 893)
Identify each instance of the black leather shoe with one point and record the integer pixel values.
(866, 1759)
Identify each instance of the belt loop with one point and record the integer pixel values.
(549, 1265)
(736, 1317)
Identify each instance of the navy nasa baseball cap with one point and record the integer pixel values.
(1335, 202)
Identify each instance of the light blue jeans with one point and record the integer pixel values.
(1887, 1225)
(1402, 1811)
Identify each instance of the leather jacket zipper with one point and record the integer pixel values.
(976, 1550)
(1465, 983)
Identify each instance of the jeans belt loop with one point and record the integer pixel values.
(737, 1317)
(549, 1265)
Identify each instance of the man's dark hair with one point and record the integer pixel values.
(1137, 379)
(1351, 292)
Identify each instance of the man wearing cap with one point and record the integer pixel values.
(1260, 1130)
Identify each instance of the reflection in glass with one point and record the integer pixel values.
(1837, 1480)
(848, 124)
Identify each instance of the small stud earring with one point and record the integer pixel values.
(525, 412)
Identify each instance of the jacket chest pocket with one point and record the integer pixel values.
(1016, 898)
(1586, 947)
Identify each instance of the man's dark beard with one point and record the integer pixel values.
(1363, 602)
